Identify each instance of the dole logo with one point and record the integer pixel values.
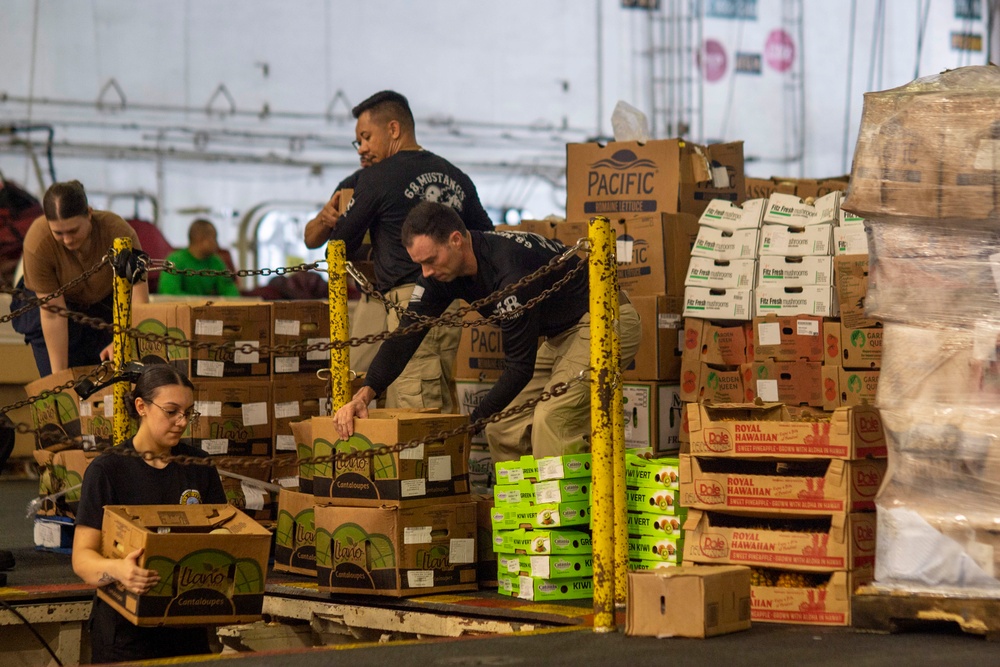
(867, 482)
(717, 440)
(709, 492)
(869, 426)
(864, 537)
(714, 546)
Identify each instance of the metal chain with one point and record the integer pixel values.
(100, 373)
(38, 302)
(169, 267)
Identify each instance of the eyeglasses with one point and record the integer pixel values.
(356, 144)
(175, 415)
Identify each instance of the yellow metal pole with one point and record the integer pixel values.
(340, 371)
(602, 297)
(122, 302)
(618, 448)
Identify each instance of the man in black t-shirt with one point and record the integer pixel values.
(402, 174)
(460, 264)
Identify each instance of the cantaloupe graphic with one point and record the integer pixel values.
(284, 533)
(383, 465)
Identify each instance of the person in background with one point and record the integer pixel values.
(401, 175)
(67, 240)
(202, 254)
(457, 263)
(163, 403)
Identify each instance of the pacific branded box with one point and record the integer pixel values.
(294, 398)
(688, 601)
(295, 534)
(302, 323)
(659, 355)
(480, 351)
(660, 176)
(768, 430)
(822, 544)
(396, 551)
(418, 475)
(212, 560)
(818, 486)
(234, 419)
(653, 252)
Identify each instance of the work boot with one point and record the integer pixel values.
(6, 560)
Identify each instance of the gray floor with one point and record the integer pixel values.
(764, 644)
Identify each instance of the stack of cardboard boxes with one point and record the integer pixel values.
(655, 514)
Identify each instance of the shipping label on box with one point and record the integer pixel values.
(294, 398)
(721, 273)
(714, 304)
(512, 472)
(659, 356)
(795, 271)
(851, 277)
(417, 475)
(767, 430)
(480, 351)
(507, 495)
(790, 338)
(206, 577)
(717, 244)
(778, 240)
(295, 534)
(728, 216)
(300, 323)
(791, 211)
(823, 486)
(396, 551)
(837, 542)
(717, 601)
(850, 240)
(792, 382)
(827, 603)
(722, 345)
(234, 418)
(779, 300)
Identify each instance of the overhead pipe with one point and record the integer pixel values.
(20, 128)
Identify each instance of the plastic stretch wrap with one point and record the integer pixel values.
(930, 149)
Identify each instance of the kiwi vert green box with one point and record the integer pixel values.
(548, 567)
(543, 590)
(211, 559)
(295, 534)
(576, 489)
(514, 494)
(396, 551)
(505, 517)
(563, 467)
(511, 472)
(655, 501)
(636, 564)
(667, 548)
(661, 473)
(554, 515)
(656, 525)
(541, 542)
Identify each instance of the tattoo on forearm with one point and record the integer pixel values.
(106, 579)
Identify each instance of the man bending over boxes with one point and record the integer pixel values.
(457, 263)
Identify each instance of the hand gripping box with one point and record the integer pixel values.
(211, 559)
(424, 474)
(688, 601)
(396, 551)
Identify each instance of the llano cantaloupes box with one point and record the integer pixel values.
(396, 551)
(211, 559)
(302, 432)
(61, 471)
(56, 417)
(418, 475)
(295, 536)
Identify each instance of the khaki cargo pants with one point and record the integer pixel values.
(428, 381)
(557, 426)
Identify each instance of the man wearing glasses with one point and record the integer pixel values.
(401, 175)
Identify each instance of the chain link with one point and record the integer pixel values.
(36, 302)
(169, 267)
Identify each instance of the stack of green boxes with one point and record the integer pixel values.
(541, 524)
(655, 517)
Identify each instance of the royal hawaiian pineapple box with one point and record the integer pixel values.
(396, 551)
(295, 536)
(212, 560)
(423, 474)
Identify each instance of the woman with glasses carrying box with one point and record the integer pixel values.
(163, 403)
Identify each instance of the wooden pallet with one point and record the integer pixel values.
(877, 609)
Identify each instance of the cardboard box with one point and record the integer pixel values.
(762, 188)
(235, 418)
(572, 490)
(24, 443)
(851, 277)
(791, 382)
(830, 486)
(788, 338)
(828, 604)
(486, 558)
(61, 471)
(205, 577)
(647, 524)
(850, 240)
(512, 472)
(420, 475)
(843, 387)
(659, 354)
(721, 273)
(789, 210)
(853, 347)
(715, 384)
(548, 567)
(725, 215)
(688, 601)
(396, 551)
(480, 351)
(795, 301)
(653, 501)
(837, 542)
(800, 187)
(56, 418)
(795, 271)
(713, 243)
(300, 323)
(541, 590)
(543, 542)
(295, 534)
(481, 475)
(232, 324)
(659, 176)
(470, 395)
(652, 416)
(719, 344)
(767, 430)
(718, 304)
(650, 473)
(508, 495)
(567, 466)
(778, 240)
(653, 252)
(257, 503)
(294, 398)
(97, 417)
(302, 431)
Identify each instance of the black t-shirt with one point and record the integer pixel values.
(385, 192)
(503, 258)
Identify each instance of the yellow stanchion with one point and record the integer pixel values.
(618, 448)
(340, 371)
(603, 298)
(122, 306)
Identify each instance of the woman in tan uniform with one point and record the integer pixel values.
(61, 245)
